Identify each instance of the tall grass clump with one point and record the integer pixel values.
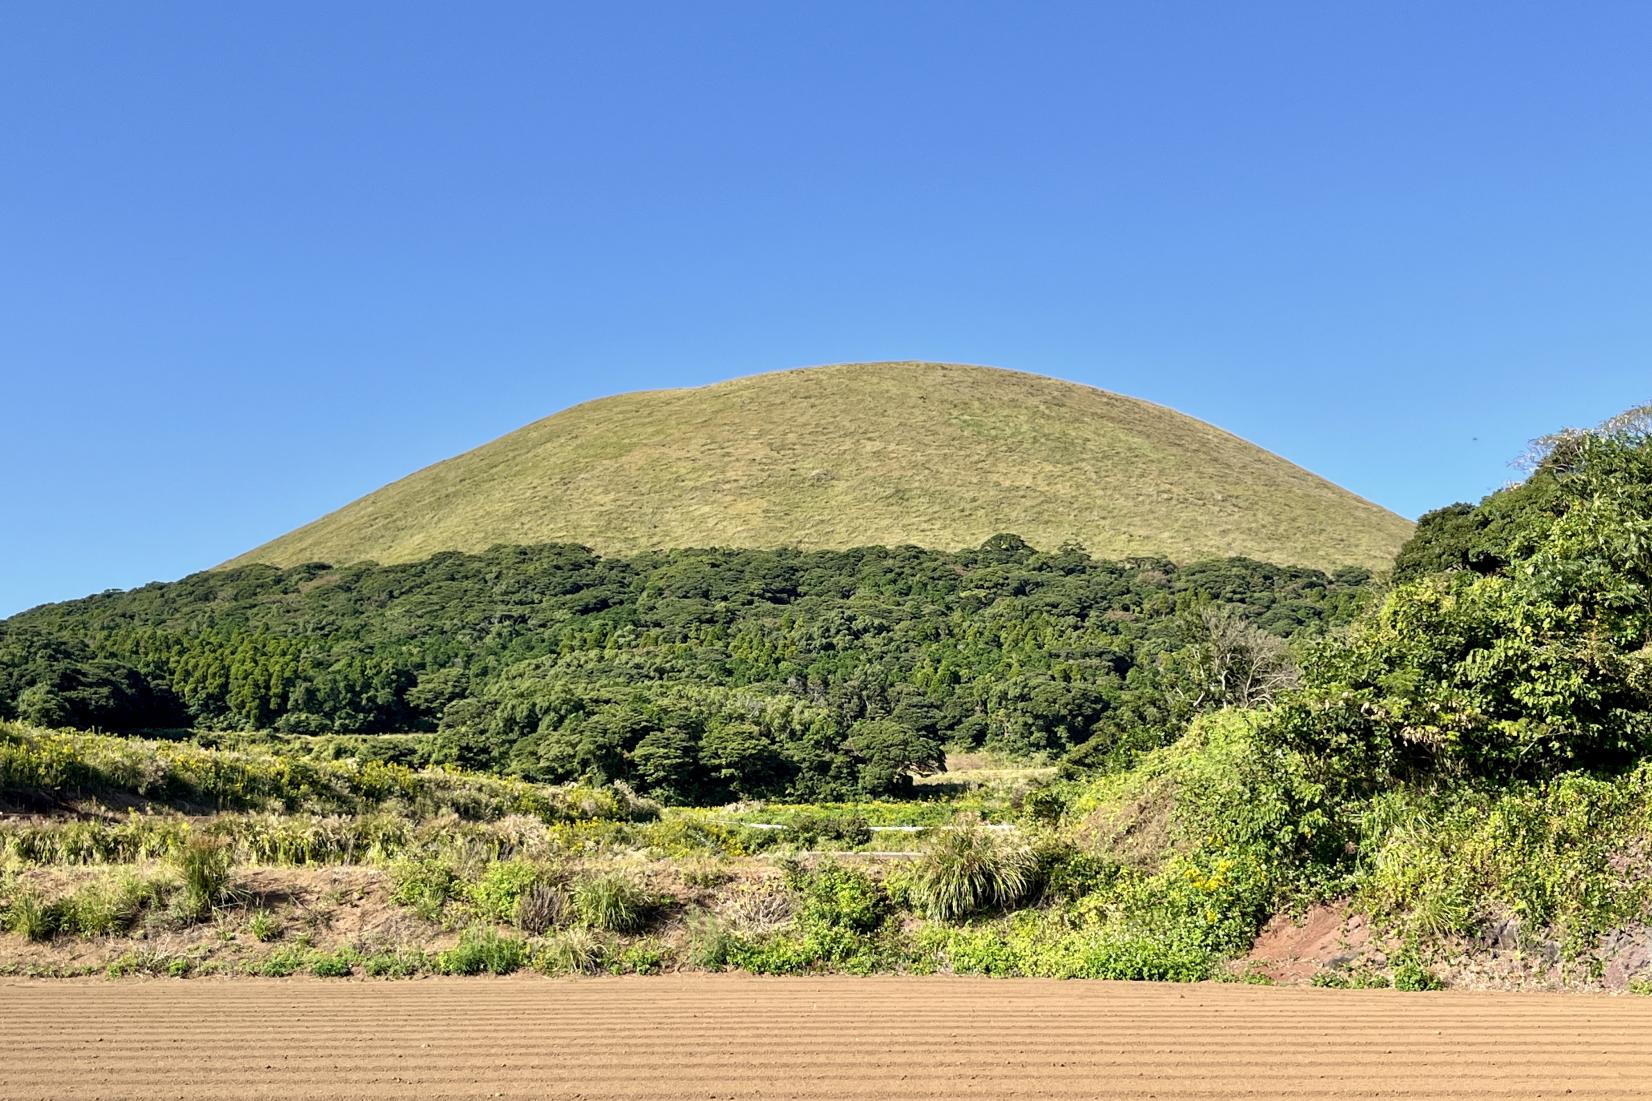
(541, 908)
(483, 951)
(967, 870)
(31, 916)
(204, 866)
(614, 903)
(66, 765)
(573, 951)
(105, 909)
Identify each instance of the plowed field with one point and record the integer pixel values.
(714, 1036)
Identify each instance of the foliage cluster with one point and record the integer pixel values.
(43, 767)
(696, 676)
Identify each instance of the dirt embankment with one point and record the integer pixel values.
(730, 1036)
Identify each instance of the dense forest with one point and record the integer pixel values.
(695, 675)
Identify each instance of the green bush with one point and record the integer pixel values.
(1045, 806)
(282, 962)
(204, 865)
(397, 964)
(483, 951)
(1528, 659)
(1411, 975)
(686, 833)
(642, 958)
(967, 869)
(1550, 855)
(31, 916)
(494, 896)
(263, 926)
(835, 896)
(69, 765)
(1069, 874)
(424, 884)
(826, 829)
(333, 965)
(574, 951)
(841, 925)
(1351, 980)
(614, 903)
(1034, 948)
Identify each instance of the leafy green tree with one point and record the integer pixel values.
(743, 761)
(1541, 662)
(888, 754)
(667, 763)
(41, 706)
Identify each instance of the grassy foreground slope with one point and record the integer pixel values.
(937, 455)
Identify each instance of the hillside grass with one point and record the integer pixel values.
(936, 455)
(1163, 872)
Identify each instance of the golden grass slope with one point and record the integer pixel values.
(938, 455)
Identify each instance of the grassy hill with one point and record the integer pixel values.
(938, 455)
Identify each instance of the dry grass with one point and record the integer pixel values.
(863, 454)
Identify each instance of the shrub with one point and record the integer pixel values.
(32, 916)
(333, 965)
(204, 865)
(103, 909)
(614, 903)
(966, 869)
(482, 951)
(1045, 805)
(838, 897)
(397, 964)
(540, 908)
(1068, 874)
(575, 951)
(281, 962)
(495, 895)
(818, 829)
(1046, 950)
(642, 958)
(426, 885)
(1411, 975)
(263, 926)
(684, 834)
(841, 918)
(66, 764)
(1350, 980)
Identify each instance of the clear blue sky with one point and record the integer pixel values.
(257, 260)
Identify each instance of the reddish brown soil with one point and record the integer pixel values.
(728, 1036)
(1293, 950)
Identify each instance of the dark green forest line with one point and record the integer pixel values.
(695, 675)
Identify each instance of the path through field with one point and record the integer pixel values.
(717, 1036)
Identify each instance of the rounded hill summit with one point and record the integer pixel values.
(934, 454)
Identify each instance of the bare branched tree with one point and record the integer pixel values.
(1557, 451)
(1233, 663)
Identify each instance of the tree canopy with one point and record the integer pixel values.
(696, 675)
